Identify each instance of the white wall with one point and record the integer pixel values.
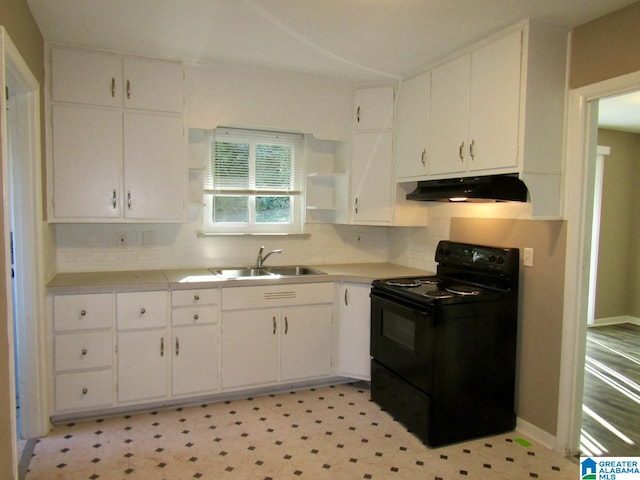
(237, 96)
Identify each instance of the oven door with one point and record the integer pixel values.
(402, 339)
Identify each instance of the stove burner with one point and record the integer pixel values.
(463, 290)
(404, 282)
(429, 281)
(438, 294)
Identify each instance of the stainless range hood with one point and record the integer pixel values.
(489, 188)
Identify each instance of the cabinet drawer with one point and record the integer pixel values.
(142, 310)
(194, 315)
(88, 350)
(194, 297)
(76, 391)
(276, 295)
(82, 312)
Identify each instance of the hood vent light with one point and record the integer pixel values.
(490, 188)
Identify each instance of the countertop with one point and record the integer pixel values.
(202, 277)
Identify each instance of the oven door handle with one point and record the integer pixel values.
(400, 305)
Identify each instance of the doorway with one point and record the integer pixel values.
(580, 180)
(22, 228)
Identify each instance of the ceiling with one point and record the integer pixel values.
(358, 40)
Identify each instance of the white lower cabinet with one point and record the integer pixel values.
(355, 330)
(276, 334)
(305, 342)
(143, 363)
(195, 359)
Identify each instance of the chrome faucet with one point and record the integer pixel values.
(260, 260)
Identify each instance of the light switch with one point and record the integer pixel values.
(527, 261)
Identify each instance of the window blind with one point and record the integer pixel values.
(252, 162)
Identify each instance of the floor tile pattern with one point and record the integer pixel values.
(325, 433)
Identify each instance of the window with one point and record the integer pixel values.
(253, 182)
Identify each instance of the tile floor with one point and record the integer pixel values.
(331, 432)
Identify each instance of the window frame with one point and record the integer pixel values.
(296, 195)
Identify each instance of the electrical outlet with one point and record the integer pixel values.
(121, 240)
(527, 260)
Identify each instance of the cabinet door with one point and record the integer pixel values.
(495, 104)
(372, 177)
(355, 331)
(449, 120)
(305, 350)
(373, 108)
(87, 162)
(155, 166)
(143, 365)
(195, 359)
(151, 84)
(412, 129)
(250, 347)
(92, 78)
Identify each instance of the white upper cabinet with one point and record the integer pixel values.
(151, 84)
(475, 110)
(92, 78)
(373, 108)
(412, 132)
(87, 168)
(494, 111)
(117, 139)
(449, 117)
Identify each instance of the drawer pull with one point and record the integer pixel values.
(83, 313)
(142, 311)
(196, 317)
(196, 297)
(85, 390)
(84, 352)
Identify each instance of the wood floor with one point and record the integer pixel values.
(611, 406)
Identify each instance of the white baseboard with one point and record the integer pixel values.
(536, 434)
(599, 322)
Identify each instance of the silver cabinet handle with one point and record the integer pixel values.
(128, 89)
(114, 202)
(143, 311)
(346, 296)
(358, 114)
(85, 390)
(129, 199)
(274, 325)
(162, 346)
(113, 87)
(196, 317)
(472, 149)
(84, 352)
(177, 346)
(461, 152)
(83, 313)
(355, 205)
(196, 297)
(286, 325)
(423, 158)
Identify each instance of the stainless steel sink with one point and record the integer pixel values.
(294, 271)
(267, 272)
(230, 273)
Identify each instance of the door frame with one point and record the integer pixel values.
(22, 208)
(579, 187)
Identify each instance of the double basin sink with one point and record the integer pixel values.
(266, 272)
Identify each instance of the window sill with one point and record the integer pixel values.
(232, 234)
